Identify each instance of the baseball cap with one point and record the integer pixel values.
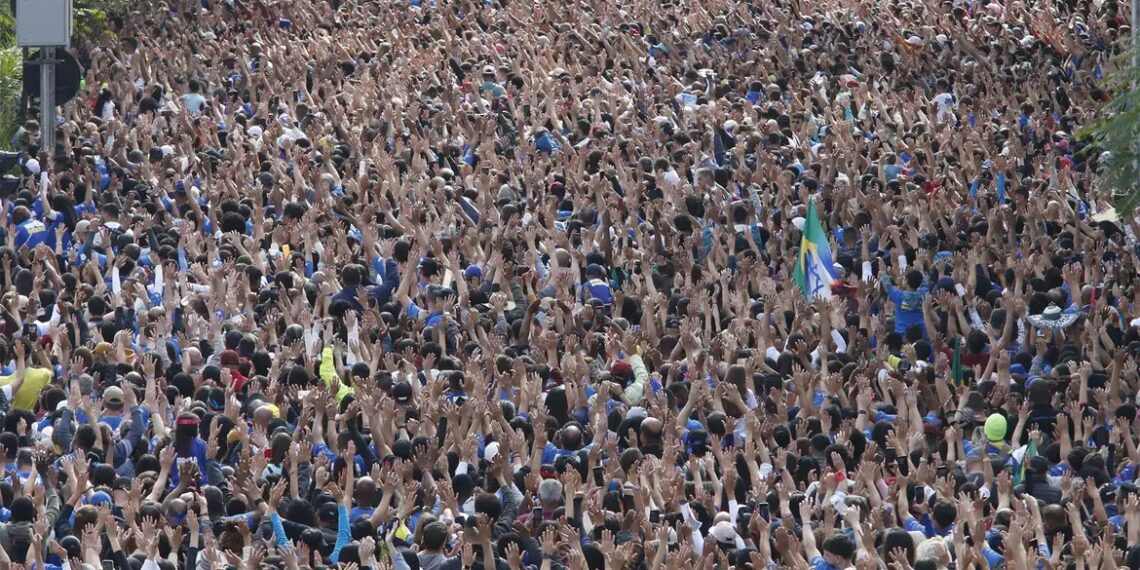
(402, 392)
(621, 369)
(491, 451)
(724, 533)
(488, 70)
(472, 271)
(113, 395)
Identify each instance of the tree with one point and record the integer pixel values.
(1115, 133)
(11, 77)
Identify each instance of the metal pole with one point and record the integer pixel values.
(47, 99)
(1135, 35)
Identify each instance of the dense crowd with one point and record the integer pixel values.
(453, 284)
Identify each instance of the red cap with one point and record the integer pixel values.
(621, 368)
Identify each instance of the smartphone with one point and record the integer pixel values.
(654, 516)
(890, 454)
(599, 476)
(762, 510)
(918, 495)
(536, 516)
(108, 565)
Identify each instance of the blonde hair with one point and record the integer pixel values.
(933, 549)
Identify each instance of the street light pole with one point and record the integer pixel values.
(47, 99)
(1135, 36)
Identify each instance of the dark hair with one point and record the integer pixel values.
(184, 435)
(944, 513)
(85, 437)
(914, 278)
(839, 545)
(488, 504)
(898, 538)
(434, 536)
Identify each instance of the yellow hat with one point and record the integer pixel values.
(995, 427)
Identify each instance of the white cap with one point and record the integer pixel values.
(254, 132)
(914, 41)
(491, 451)
(724, 532)
(798, 222)
(33, 166)
(167, 150)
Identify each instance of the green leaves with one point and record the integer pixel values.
(11, 86)
(1116, 130)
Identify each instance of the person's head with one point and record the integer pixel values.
(85, 436)
(434, 536)
(23, 510)
(914, 279)
(944, 514)
(550, 493)
(934, 549)
(488, 504)
(571, 437)
(897, 539)
(185, 431)
(837, 549)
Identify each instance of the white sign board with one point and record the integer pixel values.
(43, 23)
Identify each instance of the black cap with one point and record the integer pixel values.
(402, 392)
(327, 512)
(402, 448)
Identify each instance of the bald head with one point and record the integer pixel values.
(195, 356)
(365, 492)
(263, 415)
(651, 430)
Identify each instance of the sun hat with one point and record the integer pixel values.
(1053, 317)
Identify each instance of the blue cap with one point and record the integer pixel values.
(472, 271)
(100, 498)
(932, 420)
(1031, 380)
(596, 270)
(1017, 368)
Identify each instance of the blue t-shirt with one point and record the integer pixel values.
(600, 289)
(908, 305)
(818, 563)
(31, 233)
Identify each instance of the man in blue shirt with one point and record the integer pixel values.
(908, 302)
(30, 232)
